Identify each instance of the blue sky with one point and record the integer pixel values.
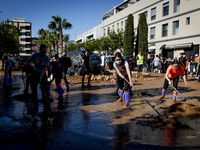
(82, 14)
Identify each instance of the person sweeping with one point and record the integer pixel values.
(123, 72)
(173, 72)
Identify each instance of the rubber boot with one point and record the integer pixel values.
(120, 93)
(163, 94)
(5, 79)
(10, 81)
(126, 99)
(175, 96)
(60, 91)
(67, 84)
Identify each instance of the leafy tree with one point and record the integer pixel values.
(66, 40)
(59, 24)
(129, 37)
(116, 40)
(105, 44)
(143, 36)
(9, 39)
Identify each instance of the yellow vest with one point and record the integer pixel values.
(140, 60)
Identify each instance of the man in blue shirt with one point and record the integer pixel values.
(7, 70)
(41, 62)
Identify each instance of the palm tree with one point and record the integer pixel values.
(66, 40)
(59, 24)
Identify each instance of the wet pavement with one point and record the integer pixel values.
(91, 118)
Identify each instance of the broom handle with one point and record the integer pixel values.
(143, 97)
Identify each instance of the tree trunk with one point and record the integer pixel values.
(54, 45)
(57, 45)
(61, 41)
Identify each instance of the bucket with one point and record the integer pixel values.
(70, 73)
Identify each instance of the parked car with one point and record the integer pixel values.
(76, 60)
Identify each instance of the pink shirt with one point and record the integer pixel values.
(122, 69)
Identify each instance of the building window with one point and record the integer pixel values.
(117, 26)
(22, 33)
(104, 32)
(153, 14)
(125, 23)
(108, 30)
(153, 30)
(176, 5)
(113, 28)
(22, 39)
(164, 30)
(122, 25)
(22, 27)
(166, 9)
(28, 40)
(188, 21)
(28, 27)
(27, 33)
(146, 15)
(175, 27)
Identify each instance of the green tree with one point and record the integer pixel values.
(59, 24)
(143, 36)
(129, 37)
(9, 39)
(116, 40)
(66, 40)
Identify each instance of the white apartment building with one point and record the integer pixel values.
(173, 25)
(94, 33)
(25, 38)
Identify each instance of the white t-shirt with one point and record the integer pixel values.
(122, 69)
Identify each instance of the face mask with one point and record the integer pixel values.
(183, 55)
(118, 62)
(196, 55)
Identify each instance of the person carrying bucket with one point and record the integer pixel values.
(56, 70)
(123, 72)
(173, 72)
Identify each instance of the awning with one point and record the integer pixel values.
(179, 46)
(151, 48)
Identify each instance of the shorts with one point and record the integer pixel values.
(88, 70)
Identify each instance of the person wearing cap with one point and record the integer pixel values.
(7, 70)
(41, 62)
(86, 68)
(182, 61)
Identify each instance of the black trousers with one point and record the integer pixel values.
(175, 82)
(57, 78)
(9, 71)
(34, 87)
(122, 83)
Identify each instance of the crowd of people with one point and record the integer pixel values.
(57, 68)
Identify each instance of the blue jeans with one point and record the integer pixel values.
(139, 68)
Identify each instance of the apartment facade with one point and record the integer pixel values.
(34, 45)
(25, 38)
(94, 33)
(173, 25)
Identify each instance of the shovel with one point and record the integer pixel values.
(184, 100)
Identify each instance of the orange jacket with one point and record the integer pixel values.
(173, 73)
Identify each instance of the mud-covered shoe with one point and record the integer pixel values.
(60, 97)
(126, 106)
(89, 85)
(173, 101)
(83, 86)
(120, 99)
(161, 97)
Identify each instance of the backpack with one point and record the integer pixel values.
(66, 61)
(13, 63)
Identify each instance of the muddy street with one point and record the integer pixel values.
(91, 118)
